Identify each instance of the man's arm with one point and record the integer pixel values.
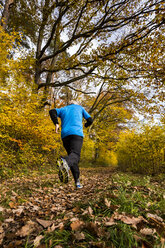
(89, 122)
(53, 116)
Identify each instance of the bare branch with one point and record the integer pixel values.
(87, 93)
(53, 32)
(57, 83)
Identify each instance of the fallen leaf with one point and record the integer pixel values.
(37, 240)
(35, 208)
(14, 244)
(107, 203)
(147, 231)
(52, 228)
(26, 230)
(44, 223)
(1, 209)
(65, 218)
(14, 193)
(128, 220)
(154, 217)
(79, 236)
(94, 229)
(110, 222)
(18, 211)
(9, 220)
(2, 235)
(163, 242)
(12, 204)
(74, 219)
(85, 212)
(61, 226)
(90, 210)
(77, 225)
(114, 207)
(76, 209)
(1, 229)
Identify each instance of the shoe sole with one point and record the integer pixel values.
(60, 174)
(63, 173)
(79, 187)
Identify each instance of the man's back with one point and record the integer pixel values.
(71, 119)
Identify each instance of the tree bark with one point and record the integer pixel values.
(6, 13)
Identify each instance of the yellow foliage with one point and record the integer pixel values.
(6, 45)
(10, 67)
(26, 132)
(142, 152)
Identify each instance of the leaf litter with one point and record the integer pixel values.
(32, 213)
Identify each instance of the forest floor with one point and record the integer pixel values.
(113, 209)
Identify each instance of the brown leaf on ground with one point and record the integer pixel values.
(128, 220)
(163, 242)
(14, 244)
(2, 235)
(52, 228)
(9, 220)
(61, 226)
(147, 231)
(110, 222)
(37, 240)
(94, 229)
(79, 236)
(1, 209)
(12, 204)
(56, 202)
(1, 229)
(107, 203)
(154, 217)
(76, 210)
(77, 225)
(44, 223)
(27, 229)
(18, 211)
(90, 211)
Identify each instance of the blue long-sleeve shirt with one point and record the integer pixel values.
(71, 119)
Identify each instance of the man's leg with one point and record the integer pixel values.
(73, 145)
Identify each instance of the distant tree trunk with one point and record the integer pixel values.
(6, 13)
(96, 153)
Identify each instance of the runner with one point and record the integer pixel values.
(72, 136)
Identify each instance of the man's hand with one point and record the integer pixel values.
(57, 127)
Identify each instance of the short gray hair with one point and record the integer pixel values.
(73, 102)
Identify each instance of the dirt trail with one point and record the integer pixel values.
(30, 204)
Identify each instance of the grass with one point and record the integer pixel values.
(133, 195)
(128, 194)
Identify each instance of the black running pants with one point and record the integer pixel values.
(73, 145)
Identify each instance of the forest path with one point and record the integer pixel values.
(39, 211)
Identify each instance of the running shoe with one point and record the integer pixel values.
(63, 168)
(79, 185)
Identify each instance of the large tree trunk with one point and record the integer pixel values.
(6, 13)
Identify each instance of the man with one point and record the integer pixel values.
(72, 136)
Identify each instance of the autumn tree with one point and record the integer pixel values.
(112, 48)
(5, 15)
(56, 27)
(115, 46)
(142, 151)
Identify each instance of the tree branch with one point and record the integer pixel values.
(52, 32)
(87, 93)
(57, 83)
